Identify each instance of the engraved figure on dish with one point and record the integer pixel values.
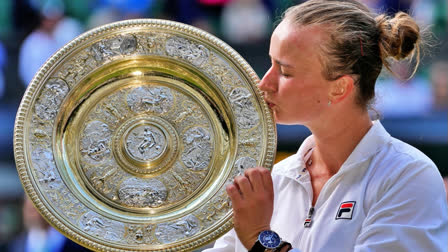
(215, 209)
(145, 142)
(184, 49)
(246, 114)
(153, 98)
(156, 97)
(244, 163)
(148, 141)
(47, 176)
(95, 225)
(189, 109)
(153, 43)
(47, 105)
(104, 182)
(43, 161)
(140, 234)
(95, 142)
(118, 45)
(136, 192)
(185, 227)
(197, 152)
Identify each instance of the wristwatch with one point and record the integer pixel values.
(269, 240)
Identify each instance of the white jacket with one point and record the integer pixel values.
(387, 196)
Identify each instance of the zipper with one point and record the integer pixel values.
(311, 211)
(309, 219)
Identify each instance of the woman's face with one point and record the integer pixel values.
(294, 87)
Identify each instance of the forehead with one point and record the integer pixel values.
(291, 40)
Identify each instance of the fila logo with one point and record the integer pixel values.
(307, 223)
(346, 210)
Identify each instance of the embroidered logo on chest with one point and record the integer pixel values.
(345, 210)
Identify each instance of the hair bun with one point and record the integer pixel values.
(399, 36)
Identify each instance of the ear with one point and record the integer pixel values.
(341, 88)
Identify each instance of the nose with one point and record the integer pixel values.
(268, 83)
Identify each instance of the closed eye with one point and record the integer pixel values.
(286, 75)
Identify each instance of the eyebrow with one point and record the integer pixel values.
(281, 63)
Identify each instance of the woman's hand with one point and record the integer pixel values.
(252, 198)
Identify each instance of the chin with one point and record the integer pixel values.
(286, 121)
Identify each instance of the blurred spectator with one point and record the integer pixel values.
(102, 16)
(439, 80)
(5, 18)
(393, 6)
(202, 14)
(66, 30)
(245, 21)
(108, 11)
(3, 59)
(54, 31)
(397, 97)
(39, 236)
(432, 14)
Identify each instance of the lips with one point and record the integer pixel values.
(270, 104)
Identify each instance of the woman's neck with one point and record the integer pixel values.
(337, 139)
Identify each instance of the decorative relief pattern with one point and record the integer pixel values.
(45, 166)
(119, 45)
(244, 163)
(112, 110)
(96, 225)
(190, 111)
(95, 142)
(174, 231)
(140, 234)
(152, 43)
(104, 178)
(182, 182)
(56, 191)
(198, 149)
(222, 74)
(182, 48)
(246, 114)
(54, 92)
(76, 69)
(154, 99)
(215, 210)
(145, 142)
(136, 192)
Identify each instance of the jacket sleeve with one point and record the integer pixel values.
(227, 243)
(407, 213)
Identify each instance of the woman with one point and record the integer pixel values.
(351, 186)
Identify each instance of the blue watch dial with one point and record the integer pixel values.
(269, 239)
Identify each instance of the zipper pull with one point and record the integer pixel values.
(308, 219)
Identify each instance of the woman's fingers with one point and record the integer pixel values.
(255, 178)
(244, 185)
(234, 194)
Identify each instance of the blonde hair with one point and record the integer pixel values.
(360, 42)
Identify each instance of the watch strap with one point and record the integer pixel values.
(257, 247)
(260, 248)
(282, 245)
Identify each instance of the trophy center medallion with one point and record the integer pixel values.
(145, 146)
(145, 143)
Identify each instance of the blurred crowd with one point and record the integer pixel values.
(32, 30)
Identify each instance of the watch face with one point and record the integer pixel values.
(269, 239)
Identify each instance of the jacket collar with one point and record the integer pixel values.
(369, 145)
